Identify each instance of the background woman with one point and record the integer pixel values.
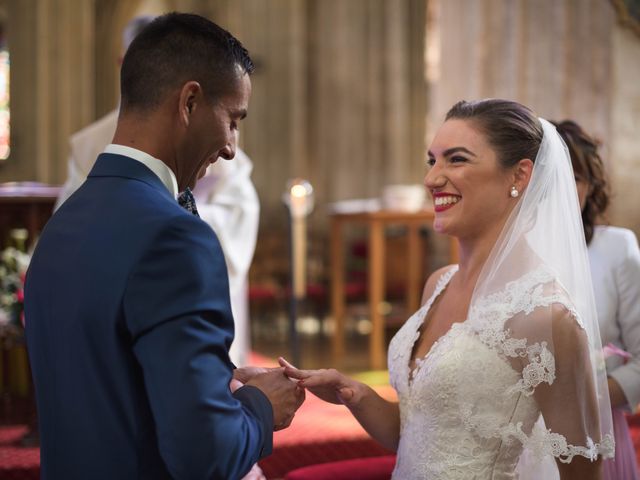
(615, 270)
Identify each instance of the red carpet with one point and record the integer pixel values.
(16, 462)
(319, 433)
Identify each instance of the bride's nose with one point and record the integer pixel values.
(434, 178)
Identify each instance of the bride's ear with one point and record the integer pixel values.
(522, 173)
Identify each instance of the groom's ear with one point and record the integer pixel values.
(522, 173)
(187, 101)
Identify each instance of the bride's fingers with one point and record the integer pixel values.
(284, 363)
(319, 380)
(235, 384)
(295, 373)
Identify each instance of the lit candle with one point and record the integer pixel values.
(300, 202)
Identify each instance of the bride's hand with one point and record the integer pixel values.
(329, 385)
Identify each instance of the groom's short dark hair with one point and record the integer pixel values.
(176, 48)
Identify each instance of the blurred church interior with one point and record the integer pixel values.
(346, 94)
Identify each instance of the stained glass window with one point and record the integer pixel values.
(5, 115)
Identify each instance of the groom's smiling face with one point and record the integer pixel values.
(469, 188)
(214, 130)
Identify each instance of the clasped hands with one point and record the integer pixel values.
(328, 384)
(285, 387)
(285, 395)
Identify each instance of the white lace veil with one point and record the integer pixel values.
(534, 304)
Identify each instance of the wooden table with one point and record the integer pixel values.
(376, 221)
(25, 205)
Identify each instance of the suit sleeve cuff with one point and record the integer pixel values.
(259, 405)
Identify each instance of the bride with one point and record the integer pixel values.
(500, 373)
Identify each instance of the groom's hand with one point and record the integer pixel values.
(244, 374)
(285, 395)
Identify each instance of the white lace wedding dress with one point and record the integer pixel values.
(467, 411)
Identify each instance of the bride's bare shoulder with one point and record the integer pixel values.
(432, 281)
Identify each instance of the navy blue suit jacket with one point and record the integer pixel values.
(128, 327)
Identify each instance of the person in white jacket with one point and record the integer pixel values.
(226, 199)
(614, 258)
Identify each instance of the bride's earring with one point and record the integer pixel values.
(514, 192)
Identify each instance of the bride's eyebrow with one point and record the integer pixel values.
(450, 151)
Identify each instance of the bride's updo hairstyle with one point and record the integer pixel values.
(512, 129)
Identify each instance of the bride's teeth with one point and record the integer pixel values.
(445, 200)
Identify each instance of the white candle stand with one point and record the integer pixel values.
(299, 200)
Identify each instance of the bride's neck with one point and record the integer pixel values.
(473, 253)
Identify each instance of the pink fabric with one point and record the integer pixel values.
(373, 468)
(610, 350)
(623, 466)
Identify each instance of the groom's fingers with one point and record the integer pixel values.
(345, 394)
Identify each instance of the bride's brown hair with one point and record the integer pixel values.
(512, 129)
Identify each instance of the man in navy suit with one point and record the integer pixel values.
(128, 320)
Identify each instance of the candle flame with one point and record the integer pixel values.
(298, 191)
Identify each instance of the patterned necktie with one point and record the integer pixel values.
(186, 201)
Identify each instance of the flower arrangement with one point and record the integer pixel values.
(13, 267)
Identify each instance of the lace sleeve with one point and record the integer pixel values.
(534, 328)
(568, 402)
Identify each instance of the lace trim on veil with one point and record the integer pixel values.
(487, 320)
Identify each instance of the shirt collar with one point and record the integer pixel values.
(164, 173)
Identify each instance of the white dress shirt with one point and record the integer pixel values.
(164, 173)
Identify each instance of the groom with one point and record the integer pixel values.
(128, 320)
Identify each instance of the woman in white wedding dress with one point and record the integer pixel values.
(500, 373)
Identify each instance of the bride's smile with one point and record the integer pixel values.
(465, 172)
